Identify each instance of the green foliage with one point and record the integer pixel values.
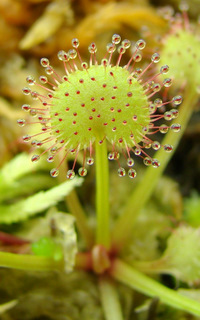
(38, 202)
(192, 209)
(182, 255)
(17, 180)
(48, 248)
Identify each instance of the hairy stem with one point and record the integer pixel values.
(29, 262)
(110, 300)
(102, 195)
(142, 283)
(123, 228)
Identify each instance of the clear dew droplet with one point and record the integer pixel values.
(26, 138)
(174, 113)
(145, 129)
(30, 80)
(146, 144)
(50, 158)
(167, 82)
(138, 71)
(126, 43)
(130, 162)
(75, 43)
(116, 38)
(168, 147)
(44, 62)
(140, 44)
(72, 53)
(168, 115)
(155, 163)
(156, 87)
(54, 172)
(121, 172)
(33, 142)
(121, 50)
(90, 161)
(132, 173)
(38, 144)
(152, 108)
(137, 151)
(110, 47)
(177, 100)
(26, 107)
(33, 112)
(150, 84)
(82, 172)
(70, 174)
(155, 58)
(62, 55)
(92, 48)
(43, 79)
(35, 158)
(49, 70)
(26, 91)
(53, 150)
(176, 127)
(111, 156)
(21, 122)
(163, 128)
(156, 145)
(158, 102)
(164, 69)
(147, 161)
(137, 57)
(34, 95)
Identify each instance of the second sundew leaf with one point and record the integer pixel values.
(24, 209)
(16, 168)
(26, 186)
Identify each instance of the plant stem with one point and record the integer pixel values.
(123, 228)
(110, 300)
(76, 209)
(140, 282)
(29, 262)
(152, 267)
(102, 195)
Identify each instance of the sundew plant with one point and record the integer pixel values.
(107, 112)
